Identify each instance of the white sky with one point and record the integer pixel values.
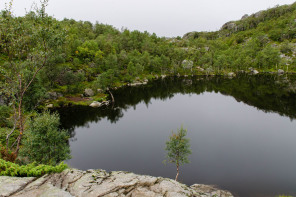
(164, 17)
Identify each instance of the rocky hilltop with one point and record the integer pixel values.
(99, 183)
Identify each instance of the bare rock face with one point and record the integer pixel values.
(99, 183)
(229, 25)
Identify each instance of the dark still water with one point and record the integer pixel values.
(242, 132)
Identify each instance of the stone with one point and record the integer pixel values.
(135, 84)
(100, 91)
(49, 106)
(201, 69)
(105, 103)
(93, 183)
(280, 71)
(231, 74)
(95, 104)
(229, 25)
(88, 92)
(187, 64)
(254, 72)
(53, 95)
(9, 185)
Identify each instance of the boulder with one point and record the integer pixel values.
(229, 25)
(231, 74)
(53, 95)
(93, 183)
(100, 91)
(280, 71)
(95, 104)
(88, 92)
(187, 64)
(253, 71)
(49, 106)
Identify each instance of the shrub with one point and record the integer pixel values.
(45, 143)
(30, 170)
(7, 155)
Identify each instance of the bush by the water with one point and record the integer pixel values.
(45, 143)
(30, 170)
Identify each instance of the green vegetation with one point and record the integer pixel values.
(264, 41)
(30, 170)
(46, 61)
(45, 143)
(178, 148)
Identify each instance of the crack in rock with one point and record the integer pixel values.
(99, 183)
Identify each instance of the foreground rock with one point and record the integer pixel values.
(99, 183)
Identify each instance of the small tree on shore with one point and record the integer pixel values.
(106, 81)
(178, 149)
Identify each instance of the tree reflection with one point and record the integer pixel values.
(269, 93)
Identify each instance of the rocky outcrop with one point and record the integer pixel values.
(100, 183)
(230, 26)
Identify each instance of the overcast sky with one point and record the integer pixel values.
(163, 17)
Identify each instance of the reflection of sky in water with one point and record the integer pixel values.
(234, 146)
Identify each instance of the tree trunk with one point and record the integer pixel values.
(176, 179)
(111, 96)
(21, 126)
(9, 134)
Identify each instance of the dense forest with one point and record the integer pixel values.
(45, 62)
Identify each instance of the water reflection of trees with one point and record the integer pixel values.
(269, 93)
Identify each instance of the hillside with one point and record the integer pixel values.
(264, 40)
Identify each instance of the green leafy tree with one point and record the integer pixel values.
(30, 43)
(45, 143)
(178, 149)
(106, 81)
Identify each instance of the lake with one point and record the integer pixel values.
(242, 132)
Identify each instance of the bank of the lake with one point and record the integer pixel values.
(94, 183)
(240, 130)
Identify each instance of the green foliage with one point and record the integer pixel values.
(3, 133)
(30, 170)
(45, 143)
(5, 113)
(105, 80)
(178, 148)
